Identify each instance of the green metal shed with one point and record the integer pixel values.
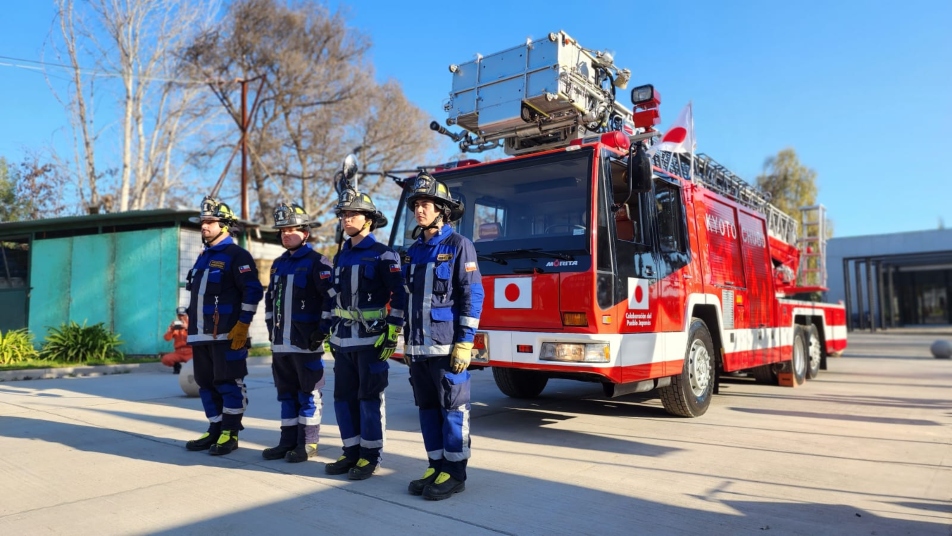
(126, 270)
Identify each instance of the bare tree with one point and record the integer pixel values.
(127, 48)
(319, 101)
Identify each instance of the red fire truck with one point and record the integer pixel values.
(602, 265)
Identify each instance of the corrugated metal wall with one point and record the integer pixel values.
(126, 280)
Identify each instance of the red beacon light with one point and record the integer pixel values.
(455, 164)
(648, 99)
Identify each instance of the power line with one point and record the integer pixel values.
(41, 66)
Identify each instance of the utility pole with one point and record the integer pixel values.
(244, 149)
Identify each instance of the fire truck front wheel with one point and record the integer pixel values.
(689, 394)
(516, 383)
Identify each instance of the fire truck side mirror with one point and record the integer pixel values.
(639, 169)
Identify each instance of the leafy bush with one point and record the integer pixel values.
(72, 343)
(16, 346)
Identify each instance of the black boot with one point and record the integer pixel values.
(227, 442)
(303, 450)
(443, 487)
(341, 466)
(362, 470)
(417, 486)
(207, 439)
(176, 368)
(285, 444)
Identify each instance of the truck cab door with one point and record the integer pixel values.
(673, 252)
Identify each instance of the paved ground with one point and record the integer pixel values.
(865, 449)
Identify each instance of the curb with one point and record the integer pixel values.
(98, 370)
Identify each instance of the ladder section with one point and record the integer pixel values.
(718, 178)
(813, 247)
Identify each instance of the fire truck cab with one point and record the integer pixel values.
(600, 265)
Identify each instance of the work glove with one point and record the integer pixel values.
(238, 335)
(327, 345)
(316, 340)
(387, 342)
(461, 356)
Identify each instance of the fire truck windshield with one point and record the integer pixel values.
(524, 212)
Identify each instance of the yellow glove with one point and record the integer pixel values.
(459, 359)
(238, 335)
(327, 346)
(388, 341)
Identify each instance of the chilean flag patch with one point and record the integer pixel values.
(245, 268)
(513, 293)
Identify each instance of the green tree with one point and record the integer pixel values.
(790, 184)
(11, 207)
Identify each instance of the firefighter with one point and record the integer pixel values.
(363, 335)
(294, 301)
(445, 296)
(225, 292)
(178, 332)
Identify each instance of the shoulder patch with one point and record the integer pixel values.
(244, 268)
(444, 257)
(216, 264)
(325, 275)
(470, 266)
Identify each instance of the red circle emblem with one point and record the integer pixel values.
(512, 292)
(639, 294)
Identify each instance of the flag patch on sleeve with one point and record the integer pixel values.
(325, 275)
(244, 268)
(394, 267)
(470, 266)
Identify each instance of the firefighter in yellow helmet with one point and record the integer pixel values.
(225, 291)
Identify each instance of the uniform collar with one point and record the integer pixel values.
(441, 234)
(221, 245)
(301, 251)
(368, 241)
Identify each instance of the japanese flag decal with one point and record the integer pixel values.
(637, 293)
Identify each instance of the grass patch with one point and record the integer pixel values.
(30, 364)
(259, 351)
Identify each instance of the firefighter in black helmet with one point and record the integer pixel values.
(363, 333)
(294, 303)
(445, 293)
(225, 292)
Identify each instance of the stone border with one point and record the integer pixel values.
(99, 370)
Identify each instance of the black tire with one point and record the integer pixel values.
(814, 352)
(517, 383)
(798, 362)
(689, 394)
(764, 374)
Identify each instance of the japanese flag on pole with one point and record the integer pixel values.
(680, 137)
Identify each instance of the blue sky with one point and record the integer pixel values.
(861, 90)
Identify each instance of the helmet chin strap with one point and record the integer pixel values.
(419, 230)
(207, 242)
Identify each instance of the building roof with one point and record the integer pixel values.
(103, 223)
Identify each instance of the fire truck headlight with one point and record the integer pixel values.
(595, 352)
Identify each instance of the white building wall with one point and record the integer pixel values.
(850, 247)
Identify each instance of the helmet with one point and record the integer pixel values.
(352, 200)
(426, 187)
(180, 311)
(290, 216)
(213, 209)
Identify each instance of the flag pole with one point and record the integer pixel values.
(693, 138)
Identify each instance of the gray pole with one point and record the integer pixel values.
(892, 297)
(847, 298)
(881, 294)
(870, 298)
(857, 264)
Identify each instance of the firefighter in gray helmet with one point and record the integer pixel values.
(367, 278)
(294, 302)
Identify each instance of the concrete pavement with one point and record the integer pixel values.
(864, 449)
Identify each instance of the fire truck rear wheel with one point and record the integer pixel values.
(814, 352)
(689, 394)
(516, 383)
